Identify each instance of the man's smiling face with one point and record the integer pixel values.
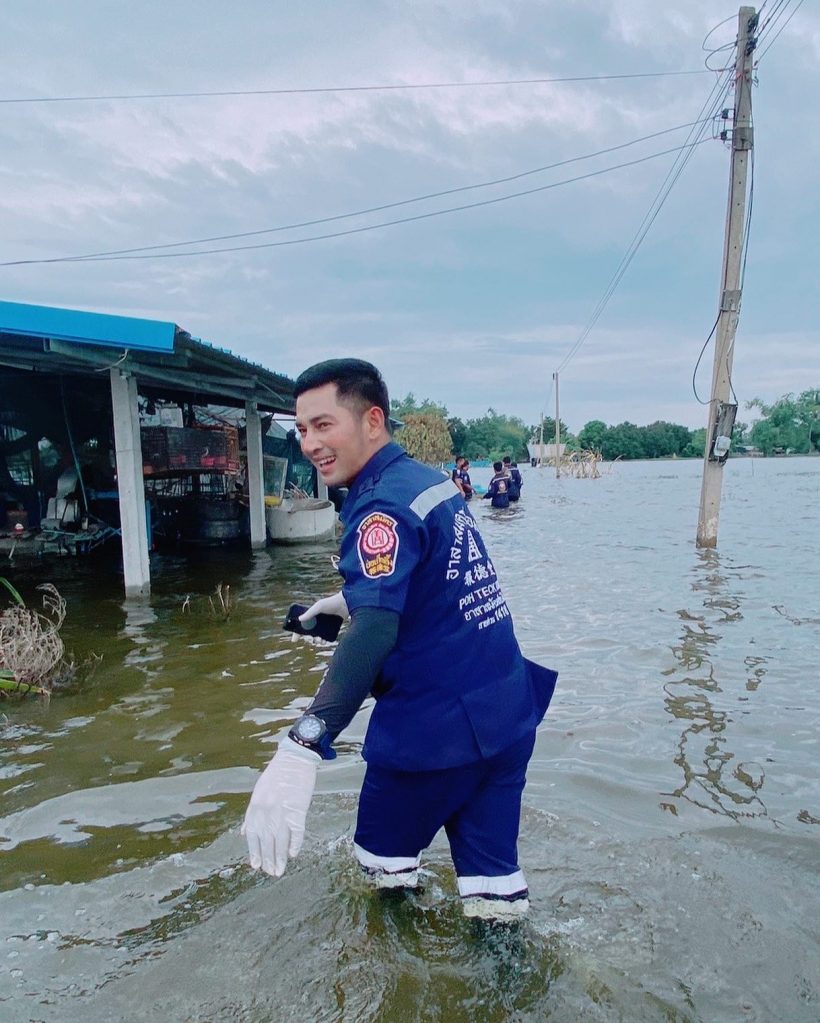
(337, 438)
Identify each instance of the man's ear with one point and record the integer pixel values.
(374, 417)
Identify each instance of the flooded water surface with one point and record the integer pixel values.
(672, 813)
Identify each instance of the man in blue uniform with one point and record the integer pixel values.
(498, 490)
(461, 478)
(515, 476)
(430, 635)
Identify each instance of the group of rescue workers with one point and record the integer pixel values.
(504, 487)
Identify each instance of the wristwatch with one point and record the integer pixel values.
(309, 731)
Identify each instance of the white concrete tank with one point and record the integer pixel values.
(301, 520)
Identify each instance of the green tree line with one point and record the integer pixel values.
(789, 425)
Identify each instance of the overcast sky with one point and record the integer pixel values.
(473, 308)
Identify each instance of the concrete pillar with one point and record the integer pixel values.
(321, 487)
(256, 480)
(130, 484)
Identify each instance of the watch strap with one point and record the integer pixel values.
(323, 748)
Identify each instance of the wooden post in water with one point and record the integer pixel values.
(721, 411)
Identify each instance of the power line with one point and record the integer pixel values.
(775, 14)
(359, 213)
(785, 23)
(346, 88)
(700, 356)
(712, 103)
(357, 230)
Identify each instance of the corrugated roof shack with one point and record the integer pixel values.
(71, 373)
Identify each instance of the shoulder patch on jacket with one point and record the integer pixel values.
(378, 545)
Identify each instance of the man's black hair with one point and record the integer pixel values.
(358, 383)
(498, 466)
(507, 460)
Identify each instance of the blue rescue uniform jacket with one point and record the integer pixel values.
(515, 482)
(464, 477)
(498, 490)
(456, 688)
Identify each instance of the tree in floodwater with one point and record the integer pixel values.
(622, 441)
(592, 435)
(494, 435)
(426, 437)
(788, 424)
(626, 440)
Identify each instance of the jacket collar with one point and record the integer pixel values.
(370, 472)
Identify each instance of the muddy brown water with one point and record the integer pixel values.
(670, 830)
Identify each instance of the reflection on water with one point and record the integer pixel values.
(146, 644)
(713, 779)
(671, 817)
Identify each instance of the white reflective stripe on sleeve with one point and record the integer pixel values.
(510, 884)
(392, 864)
(432, 497)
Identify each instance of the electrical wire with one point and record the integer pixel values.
(714, 29)
(774, 15)
(358, 230)
(364, 212)
(760, 56)
(729, 47)
(697, 364)
(712, 103)
(345, 88)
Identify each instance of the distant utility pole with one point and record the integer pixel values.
(721, 410)
(541, 443)
(557, 429)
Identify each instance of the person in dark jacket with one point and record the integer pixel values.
(461, 478)
(499, 489)
(515, 477)
(431, 636)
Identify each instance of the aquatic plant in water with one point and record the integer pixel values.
(32, 655)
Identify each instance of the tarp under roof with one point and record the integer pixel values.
(164, 359)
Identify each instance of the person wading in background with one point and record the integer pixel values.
(430, 634)
(516, 482)
(461, 478)
(498, 490)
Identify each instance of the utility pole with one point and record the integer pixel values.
(557, 430)
(721, 410)
(541, 444)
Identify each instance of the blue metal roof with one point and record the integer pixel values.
(73, 325)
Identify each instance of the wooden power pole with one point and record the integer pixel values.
(721, 410)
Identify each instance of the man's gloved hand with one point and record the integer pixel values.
(335, 605)
(274, 826)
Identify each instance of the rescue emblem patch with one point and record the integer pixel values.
(378, 545)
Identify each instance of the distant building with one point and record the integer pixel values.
(543, 452)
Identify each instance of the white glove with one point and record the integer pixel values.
(274, 826)
(335, 605)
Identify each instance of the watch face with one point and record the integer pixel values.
(309, 728)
